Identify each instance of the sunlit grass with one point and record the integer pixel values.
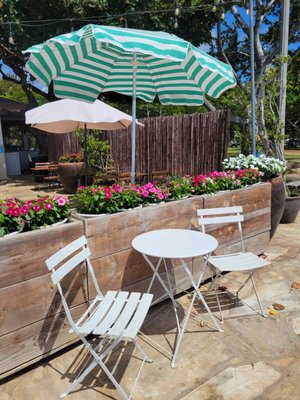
(289, 155)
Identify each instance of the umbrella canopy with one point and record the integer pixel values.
(95, 59)
(67, 115)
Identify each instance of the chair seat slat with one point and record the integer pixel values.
(238, 262)
(136, 322)
(113, 315)
(98, 314)
(126, 315)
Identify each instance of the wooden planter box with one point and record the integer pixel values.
(32, 322)
(118, 266)
(30, 306)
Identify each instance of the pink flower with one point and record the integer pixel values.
(145, 193)
(61, 201)
(16, 212)
(160, 196)
(37, 207)
(48, 206)
(24, 210)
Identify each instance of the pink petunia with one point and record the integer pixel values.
(48, 206)
(37, 207)
(160, 196)
(24, 210)
(16, 212)
(145, 193)
(61, 201)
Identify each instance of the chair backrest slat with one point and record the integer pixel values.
(220, 210)
(221, 220)
(58, 257)
(67, 267)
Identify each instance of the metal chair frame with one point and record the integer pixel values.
(114, 317)
(243, 261)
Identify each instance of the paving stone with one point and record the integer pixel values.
(245, 382)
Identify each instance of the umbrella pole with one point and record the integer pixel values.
(86, 164)
(133, 125)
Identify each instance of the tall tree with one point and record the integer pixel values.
(30, 22)
(232, 45)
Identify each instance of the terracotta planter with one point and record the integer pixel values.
(292, 207)
(278, 196)
(69, 175)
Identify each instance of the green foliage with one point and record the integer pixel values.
(96, 200)
(10, 218)
(98, 151)
(14, 91)
(177, 187)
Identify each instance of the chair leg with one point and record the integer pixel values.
(97, 360)
(255, 311)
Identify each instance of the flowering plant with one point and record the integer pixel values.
(151, 194)
(203, 184)
(10, 218)
(178, 187)
(96, 199)
(129, 196)
(267, 166)
(71, 158)
(232, 180)
(45, 210)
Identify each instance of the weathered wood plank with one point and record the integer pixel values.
(115, 233)
(36, 299)
(35, 341)
(23, 257)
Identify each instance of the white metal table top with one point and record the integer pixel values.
(174, 243)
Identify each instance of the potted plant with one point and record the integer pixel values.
(95, 200)
(45, 211)
(271, 170)
(10, 217)
(70, 167)
(292, 203)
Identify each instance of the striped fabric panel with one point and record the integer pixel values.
(97, 59)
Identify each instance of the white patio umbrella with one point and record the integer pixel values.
(63, 116)
(95, 59)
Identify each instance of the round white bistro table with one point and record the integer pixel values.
(177, 244)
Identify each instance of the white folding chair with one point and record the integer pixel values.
(114, 317)
(235, 262)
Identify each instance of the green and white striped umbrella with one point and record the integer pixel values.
(96, 59)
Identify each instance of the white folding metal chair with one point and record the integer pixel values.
(235, 262)
(114, 317)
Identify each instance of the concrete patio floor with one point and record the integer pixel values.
(255, 358)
